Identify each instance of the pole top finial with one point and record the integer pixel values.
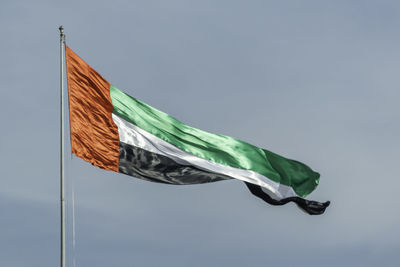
(62, 35)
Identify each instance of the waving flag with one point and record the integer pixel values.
(117, 132)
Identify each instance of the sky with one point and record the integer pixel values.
(316, 81)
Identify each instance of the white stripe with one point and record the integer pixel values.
(135, 136)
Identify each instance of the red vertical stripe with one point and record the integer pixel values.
(94, 136)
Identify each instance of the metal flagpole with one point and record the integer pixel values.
(62, 200)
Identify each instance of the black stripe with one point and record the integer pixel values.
(153, 167)
(309, 206)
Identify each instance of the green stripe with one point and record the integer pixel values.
(214, 147)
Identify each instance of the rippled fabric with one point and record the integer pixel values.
(137, 137)
(94, 136)
(309, 206)
(117, 132)
(154, 167)
(217, 148)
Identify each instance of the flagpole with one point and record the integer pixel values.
(62, 200)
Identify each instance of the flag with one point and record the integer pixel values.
(120, 133)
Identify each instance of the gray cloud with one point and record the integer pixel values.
(310, 80)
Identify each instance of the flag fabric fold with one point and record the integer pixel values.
(117, 132)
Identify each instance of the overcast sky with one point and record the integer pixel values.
(316, 81)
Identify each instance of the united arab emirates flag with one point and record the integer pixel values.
(117, 132)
